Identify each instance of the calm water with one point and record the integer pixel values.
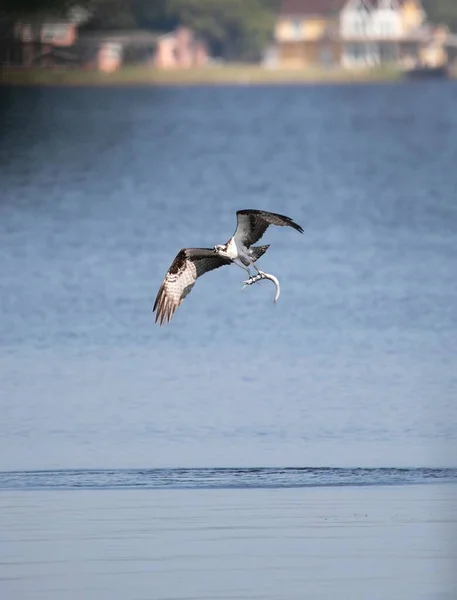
(344, 392)
(370, 543)
(356, 366)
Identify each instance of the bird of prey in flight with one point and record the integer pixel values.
(191, 263)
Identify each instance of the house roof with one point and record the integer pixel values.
(321, 7)
(400, 2)
(313, 7)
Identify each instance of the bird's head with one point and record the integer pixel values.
(220, 248)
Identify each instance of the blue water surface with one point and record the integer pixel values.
(356, 366)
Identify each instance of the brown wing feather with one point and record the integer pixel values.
(252, 224)
(189, 264)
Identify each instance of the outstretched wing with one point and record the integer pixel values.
(189, 264)
(252, 224)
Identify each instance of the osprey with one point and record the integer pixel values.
(191, 263)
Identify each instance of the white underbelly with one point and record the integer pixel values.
(239, 254)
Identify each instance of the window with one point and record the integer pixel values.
(386, 28)
(388, 53)
(25, 33)
(297, 29)
(326, 56)
(359, 27)
(353, 51)
(53, 32)
(112, 50)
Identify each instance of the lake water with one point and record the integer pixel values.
(377, 543)
(275, 444)
(357, 363)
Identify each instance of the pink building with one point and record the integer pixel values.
(56, 33)
(109, 57)
(180, 49)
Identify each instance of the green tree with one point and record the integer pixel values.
(442, 11)
(153, 15)
(31, 7)
(110, 15)
(234, 29)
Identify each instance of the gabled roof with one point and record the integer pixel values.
(368, 4)
(323, 7)
(400, 3)
(311, 7)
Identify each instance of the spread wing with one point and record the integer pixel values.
(189, 264)
(252, 224)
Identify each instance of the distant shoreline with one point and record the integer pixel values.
(225, 75)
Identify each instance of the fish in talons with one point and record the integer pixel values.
(261, 275)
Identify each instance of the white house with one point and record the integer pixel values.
(356, 19)
(371, 32)
(387, 20)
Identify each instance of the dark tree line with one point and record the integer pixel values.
(234, 29)
(442, 11)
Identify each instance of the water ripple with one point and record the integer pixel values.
(265, 477)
